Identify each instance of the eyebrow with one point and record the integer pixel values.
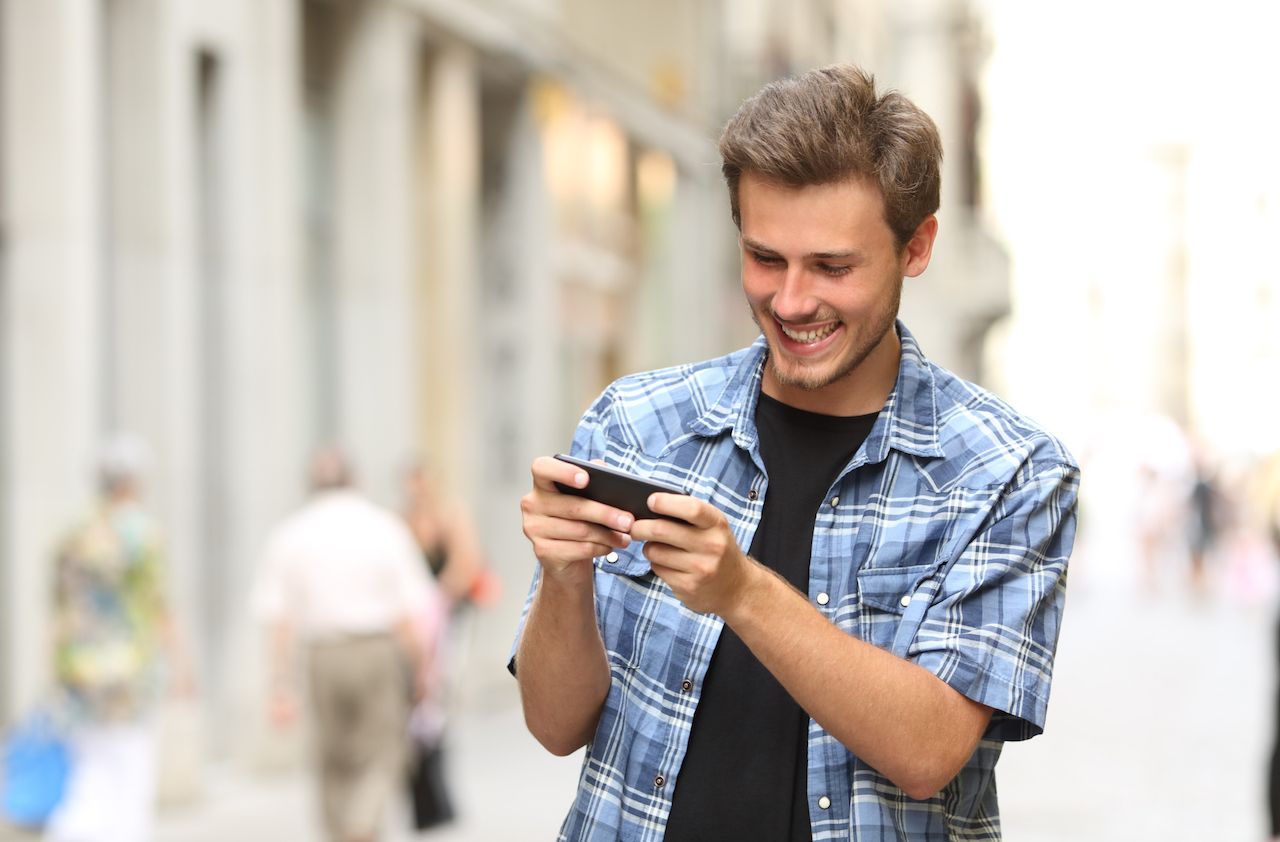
(820, 255)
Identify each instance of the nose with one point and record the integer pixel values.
(793, 301)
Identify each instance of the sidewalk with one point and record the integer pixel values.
(1159, 729)
(506, 788)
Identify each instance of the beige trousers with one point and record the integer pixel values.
(360, 699)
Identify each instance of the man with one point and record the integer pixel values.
(114, 642)
(345, 576)
(862, 602)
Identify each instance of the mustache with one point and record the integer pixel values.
(820, 316)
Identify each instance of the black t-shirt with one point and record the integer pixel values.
(745, 776)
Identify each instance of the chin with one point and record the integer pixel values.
(808, 378)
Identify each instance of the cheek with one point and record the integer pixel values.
(756, 286)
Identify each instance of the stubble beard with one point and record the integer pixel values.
(801, 377)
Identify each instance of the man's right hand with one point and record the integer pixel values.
(561, 663)
(568, 531)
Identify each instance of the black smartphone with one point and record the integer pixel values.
(617, 488)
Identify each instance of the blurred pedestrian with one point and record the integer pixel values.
(1206, 517)
(113, 639)
(857, 602)
(446, 534)
(342, 582)
(451, 550)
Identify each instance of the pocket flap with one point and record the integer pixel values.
(628, 561)
(885, 587)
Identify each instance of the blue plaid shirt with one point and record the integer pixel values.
(945, 541)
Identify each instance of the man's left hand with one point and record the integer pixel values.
(698, 558)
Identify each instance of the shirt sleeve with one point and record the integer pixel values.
(992, 629)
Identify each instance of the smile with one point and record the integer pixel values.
(809, 337)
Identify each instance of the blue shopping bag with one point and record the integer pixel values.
(36, 765)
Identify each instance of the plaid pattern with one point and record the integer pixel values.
(945, 541)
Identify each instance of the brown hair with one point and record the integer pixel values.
(828, 125)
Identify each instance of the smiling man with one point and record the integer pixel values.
(859, 599)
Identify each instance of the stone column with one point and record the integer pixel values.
(269, 430)
(374, 249)
(49, 66)
(449, 320)
(517, 376)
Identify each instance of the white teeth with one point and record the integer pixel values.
(808, 336)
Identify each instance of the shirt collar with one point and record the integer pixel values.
(908, 421)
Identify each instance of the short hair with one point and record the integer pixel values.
(829, 125)
(123, 462)
(330, 469)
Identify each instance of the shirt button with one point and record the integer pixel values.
(835, 501)
(824, 802)
(752, 494)
(686, 685)
(659, 782)
(906, 600)
(612, 558)
(823, 599)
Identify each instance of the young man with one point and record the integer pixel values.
(863, 599)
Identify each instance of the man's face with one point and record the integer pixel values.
(823, 278)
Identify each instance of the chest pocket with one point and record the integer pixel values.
(628, 561)
(883, 596)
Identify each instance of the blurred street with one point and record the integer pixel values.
(1158, 729)
(428, 233)
(506, 788)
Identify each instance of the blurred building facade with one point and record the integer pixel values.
(430, 226)
(1163, 301)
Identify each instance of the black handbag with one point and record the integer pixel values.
(427, 788)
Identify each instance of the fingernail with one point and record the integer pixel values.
(624, 522)
(580, 478)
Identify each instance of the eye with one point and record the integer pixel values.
(834, 270)
(766, 259)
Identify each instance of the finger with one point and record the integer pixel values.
(553, 503)
(664, 557)
(677, 579)
(544, 528)
(569, 507)
(547, 470)
(663, 531)
(691, 510)
(569, 552)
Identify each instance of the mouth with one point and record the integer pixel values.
(810, 336)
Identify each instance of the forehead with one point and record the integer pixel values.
(813, 217)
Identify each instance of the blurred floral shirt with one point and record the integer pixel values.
(109, 608)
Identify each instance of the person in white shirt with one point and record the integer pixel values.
(343, 582)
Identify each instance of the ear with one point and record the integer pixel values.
(919, 248)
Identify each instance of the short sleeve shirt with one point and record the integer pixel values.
(342, 566)
(944, 540)
(109, 609)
